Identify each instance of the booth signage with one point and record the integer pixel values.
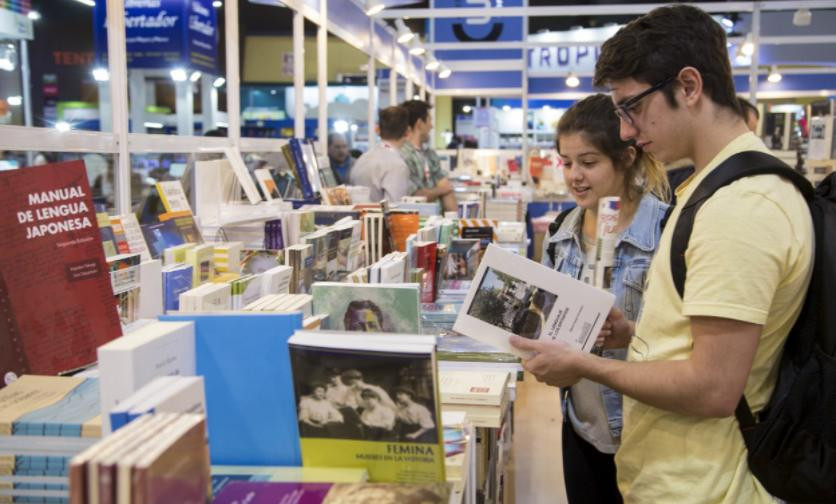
(563, 59)
(478, 28)
(164, 33)
(14, 25)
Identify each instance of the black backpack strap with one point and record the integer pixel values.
(743, 164)
(553, 228)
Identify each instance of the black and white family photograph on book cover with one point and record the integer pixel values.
(364, 396)
(513, 295)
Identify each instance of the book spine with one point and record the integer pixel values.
(301, 168)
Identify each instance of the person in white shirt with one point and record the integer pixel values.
(354, 397)
(316, 411)
(416, 420)
(382, 169)
(378, 418)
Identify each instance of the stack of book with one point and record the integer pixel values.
(210, 297)
(165, 394)
(283, 303)
(483, 396)
(157, 458)
(391, 268)
(44, 421)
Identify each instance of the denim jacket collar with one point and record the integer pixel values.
(642, 233)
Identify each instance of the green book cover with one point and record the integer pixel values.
(393, 308)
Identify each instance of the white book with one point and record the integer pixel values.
(129, 362)
(184, 394)
(150, 289)
(510, 295)
(473, 387)
(216, 297)
(392, 270)
(133, 235)
(119, 414)
(227, 256)
(276, 280)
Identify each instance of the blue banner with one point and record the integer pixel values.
(477, 28)
(164, 34)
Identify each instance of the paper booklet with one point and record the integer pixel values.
(514, 295)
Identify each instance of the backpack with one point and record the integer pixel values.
(791, 444)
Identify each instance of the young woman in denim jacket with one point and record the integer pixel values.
(597, 163)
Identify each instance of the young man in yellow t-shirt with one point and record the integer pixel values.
(749, 262)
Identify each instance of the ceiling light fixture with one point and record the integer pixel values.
(34, 15)
(572, 80)
(404, 33)
(802, 17)
(444, 72)
(432, 64)
(153, 125)
(101, 74)
(374, 7)
(217, 4)
(195, 76)
(178, 75)
(88, 3)
(774, 76)
(417, 49)
(467, 109)
(220, 81)
(63, 126)
(748, 47)
(15, 101)
(506, 108)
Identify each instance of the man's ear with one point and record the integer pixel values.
(690, 82)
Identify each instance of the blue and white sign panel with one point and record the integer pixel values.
(164, 33)
(478, 29)
(560, 60)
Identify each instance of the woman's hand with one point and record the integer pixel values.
(616, 332)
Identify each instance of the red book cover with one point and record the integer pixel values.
(425, 253)
(56, 301)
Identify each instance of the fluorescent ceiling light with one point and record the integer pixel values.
(101, 74)
(432, 64)
(34, 15)
(154, 125)
(572, 80)
(14, 101)
(179, 75)
(63, 126)
(195, 76)
(374, 7)
(444, 72)
(88, 3)
(220, 81)
(774, 76)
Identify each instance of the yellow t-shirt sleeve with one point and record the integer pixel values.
(736, 257)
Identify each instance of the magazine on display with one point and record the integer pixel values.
(390, 308)
(239, 492)
(56, 299)
(369, 400)
(514, 295)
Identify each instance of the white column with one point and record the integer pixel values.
(233, 75)
(208, 102)
(26, 79)
(753, 68)
(185, 108)
(136, 81)
(299, 74)
(118, 68)
(432, 104)
(410, 86)
(393, 79)
(370, 80)
(322, 70)
(423, 92)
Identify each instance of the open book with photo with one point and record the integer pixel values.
(514, 295)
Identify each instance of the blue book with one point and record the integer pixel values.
(177, 279)
(250, 406)
(305, 183)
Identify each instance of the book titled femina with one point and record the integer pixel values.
(369, 401)
(56, 299)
